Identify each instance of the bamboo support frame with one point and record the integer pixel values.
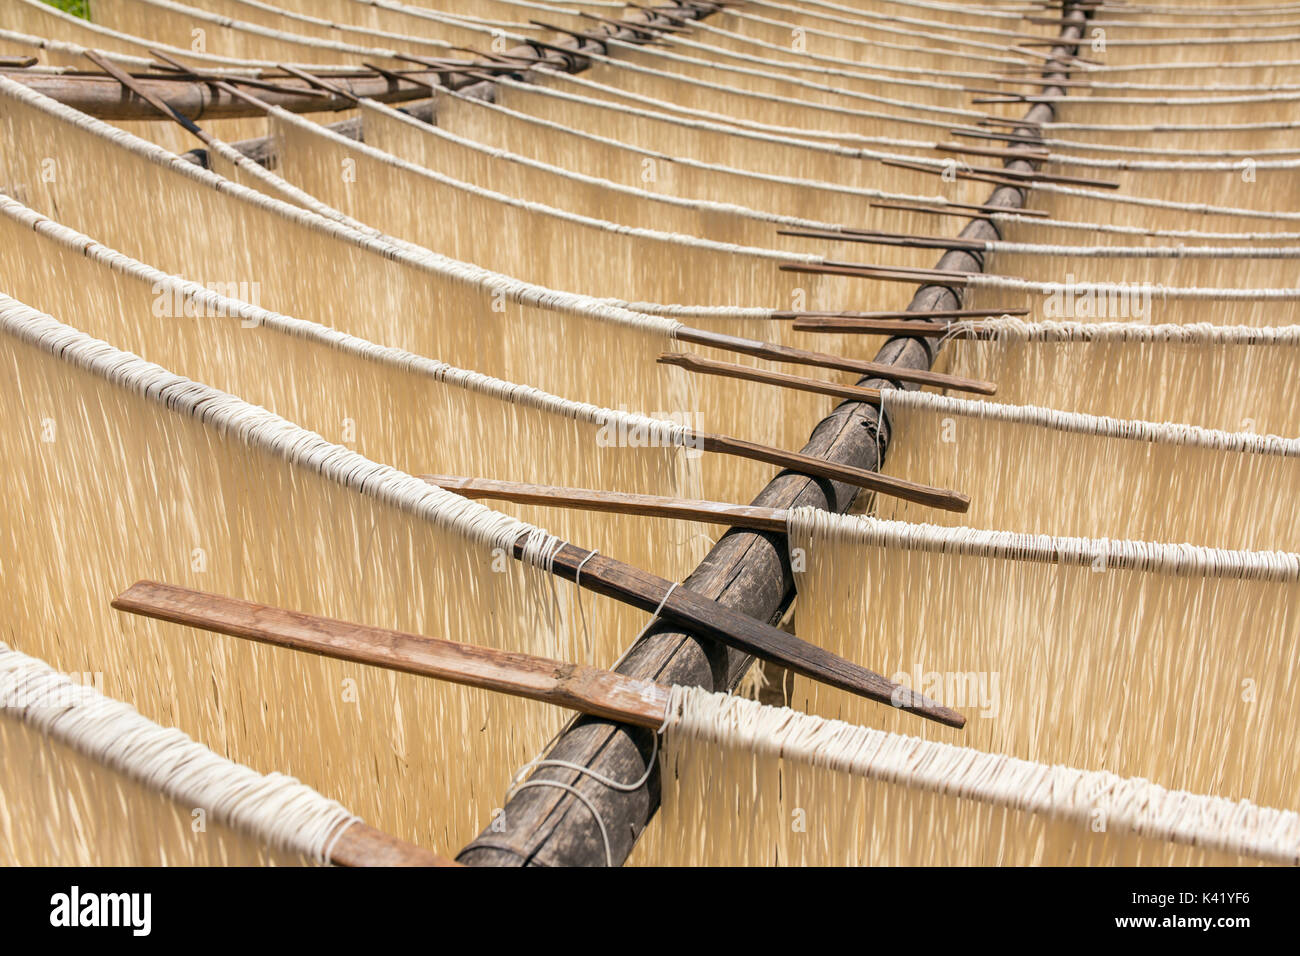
(747, 570)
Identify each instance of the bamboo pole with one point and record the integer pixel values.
(747, 570)
(104, 97)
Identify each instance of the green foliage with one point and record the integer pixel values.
(78, 8)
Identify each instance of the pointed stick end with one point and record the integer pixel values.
(904, 698)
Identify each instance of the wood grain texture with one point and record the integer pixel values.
(747, 571)
(104, 97)
(588, 690)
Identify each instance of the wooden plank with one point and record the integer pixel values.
(717, 622)
(884, 273)
(908, 317)
(588, 690)
(886, 239)
(745, 570)
(698, 363)
(893, 327)
(613, 502)
(872, 327)
(796, 356)
(835, 471)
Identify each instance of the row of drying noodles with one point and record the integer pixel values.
(630, 169)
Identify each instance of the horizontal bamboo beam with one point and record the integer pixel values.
(105, 98)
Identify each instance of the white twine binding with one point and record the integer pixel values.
(1147, 557)
(258, 428)
(1014, 331)
(1102, 426)
(538, 762)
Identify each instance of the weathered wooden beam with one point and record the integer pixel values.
(746, 570)
(565, 54)
(106, 98)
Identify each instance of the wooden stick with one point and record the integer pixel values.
(1000, 98)
(920, 330)
(523, 62)
(585, 689)
(698, 363)
(796, 356)
(927, 495)
(958, 173)
(600, 38)
(167, 63)
(1039, 81)
(318, 82)
(406, 78)
(1017, 176)
(958, 209)
(570, 55)
(661, 12)
(18, 62)
(451, 67)
(363, 845)
(1011, 123)
(636, 26)
(997, 137)
(244, 96)
(588, 690)
(887, 239)
(918, 314)
(129, 83)
(684, 607)
(615, 502)
(360, 844)
(883, 273)
(1063, 57)
(1034, 155)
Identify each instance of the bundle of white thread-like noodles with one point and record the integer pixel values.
(277, 809)
(700, 722)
